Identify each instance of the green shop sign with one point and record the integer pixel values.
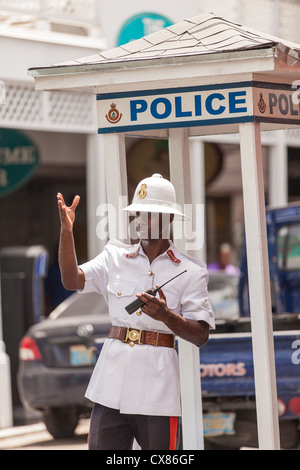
(18, 160)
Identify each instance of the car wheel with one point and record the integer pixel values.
(61, 422)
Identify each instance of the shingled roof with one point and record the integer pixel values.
(200, 35)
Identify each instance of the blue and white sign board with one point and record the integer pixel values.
(174, 107)
(206, 105)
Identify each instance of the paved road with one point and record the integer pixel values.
(36, 437)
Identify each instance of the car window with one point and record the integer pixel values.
(288, 246)
(223, 295)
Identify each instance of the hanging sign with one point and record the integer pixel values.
(206, 105)
(276, 102)
(179, 107)
(18, 160)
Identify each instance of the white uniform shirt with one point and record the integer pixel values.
(143, 379)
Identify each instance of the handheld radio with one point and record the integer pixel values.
(138, 303)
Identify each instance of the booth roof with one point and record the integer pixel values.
(200, 35)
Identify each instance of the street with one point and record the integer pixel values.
(36, 437)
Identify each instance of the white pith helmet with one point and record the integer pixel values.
(155, 194)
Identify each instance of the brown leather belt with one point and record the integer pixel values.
(132, 336)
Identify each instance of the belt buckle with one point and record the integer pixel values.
(133, 336)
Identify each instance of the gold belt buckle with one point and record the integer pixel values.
(133, 336)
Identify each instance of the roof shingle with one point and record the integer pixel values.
(203, 34)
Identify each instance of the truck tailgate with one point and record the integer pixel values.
(226, 364)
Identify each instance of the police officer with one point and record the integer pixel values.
(135, 384)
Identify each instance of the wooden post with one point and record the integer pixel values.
(113, 147)
(96, 194)
(278, 170)
(259, 287)
(189, 363)
(197, 161)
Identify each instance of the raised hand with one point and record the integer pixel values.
(67, 214)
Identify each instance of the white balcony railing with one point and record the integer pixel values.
(25, 108)
(78, 11)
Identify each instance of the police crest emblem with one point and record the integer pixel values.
(261, 103)
(142, 192)
(113, 116)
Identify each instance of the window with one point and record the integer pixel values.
(288, 243)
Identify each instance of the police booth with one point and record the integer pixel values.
(202, 76)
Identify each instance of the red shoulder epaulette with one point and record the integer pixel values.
(132, 255)
(173, 257)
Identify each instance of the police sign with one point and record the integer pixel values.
(276, 103)
(196, 106)
(174, 107)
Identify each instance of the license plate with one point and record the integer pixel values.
(217, 424)
(82, 356)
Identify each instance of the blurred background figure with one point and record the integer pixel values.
(224, 261)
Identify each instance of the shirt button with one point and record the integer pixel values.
(119, 293)
(150, 273)
(138, 313)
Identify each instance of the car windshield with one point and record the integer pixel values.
(77, 304)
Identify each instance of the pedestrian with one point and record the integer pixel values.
(135, 385)
(224, 261)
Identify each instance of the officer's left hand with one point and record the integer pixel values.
(197, 332)
(155, 307)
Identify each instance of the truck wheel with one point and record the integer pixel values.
(61, 422)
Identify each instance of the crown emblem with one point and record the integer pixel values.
(113, 116)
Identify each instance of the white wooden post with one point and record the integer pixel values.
(6, 406)
(96, 193)
(278, 174)
(197, 165)
(189, 363)
(113, 148)
(259, 287)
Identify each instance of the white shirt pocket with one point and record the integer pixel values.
(120, 288)
(120, 294)
(173, 301)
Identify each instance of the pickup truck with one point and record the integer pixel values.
(227, 375)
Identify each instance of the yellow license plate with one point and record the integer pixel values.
(217, 424)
